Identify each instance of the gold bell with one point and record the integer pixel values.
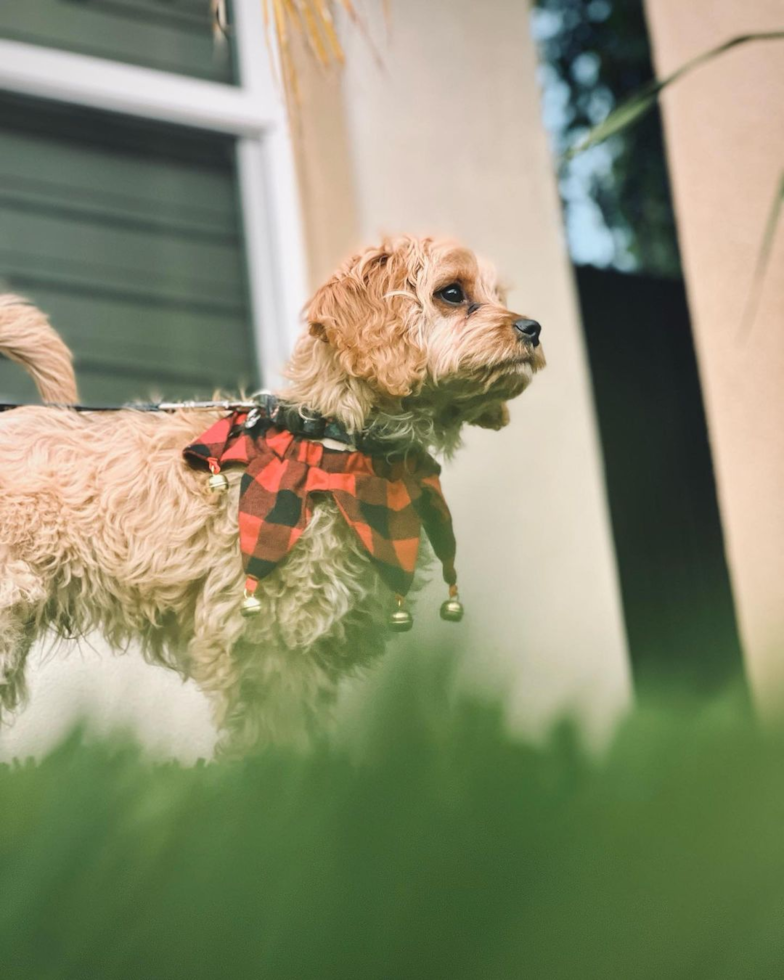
(401, 620)
(251, 605)
(452, 609)
(218, 483)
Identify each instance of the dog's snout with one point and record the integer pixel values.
(528, 330)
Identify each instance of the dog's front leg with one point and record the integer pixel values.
(249, 679)
(279, 697)
(262, 691)
(217, 629)
(322, 613)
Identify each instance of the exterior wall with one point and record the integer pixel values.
(725, 138)
(86, 680)
(447, 137)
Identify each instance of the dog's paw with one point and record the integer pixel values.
(494, 418)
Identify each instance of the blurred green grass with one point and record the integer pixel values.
(429, 844)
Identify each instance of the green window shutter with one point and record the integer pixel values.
(129, 235)
(171, 35)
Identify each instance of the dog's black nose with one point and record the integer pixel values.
(528, 330)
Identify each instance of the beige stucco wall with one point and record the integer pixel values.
(85, 680)
(725, 136)
(447, 138)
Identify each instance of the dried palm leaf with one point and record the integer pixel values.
(220, 19)
(313, 19)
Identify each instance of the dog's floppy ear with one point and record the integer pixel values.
(365, 313)
(495, 417)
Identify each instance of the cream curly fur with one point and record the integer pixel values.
(103, 526)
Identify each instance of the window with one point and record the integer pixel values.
(151, 214)
(171, 35)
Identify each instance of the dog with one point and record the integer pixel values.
(103, 525)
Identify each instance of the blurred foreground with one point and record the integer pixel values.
(424, 843)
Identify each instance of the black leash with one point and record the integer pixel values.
(226, 406)
(264, 410)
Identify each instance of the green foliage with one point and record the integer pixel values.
(425, 843)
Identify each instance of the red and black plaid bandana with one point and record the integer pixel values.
(386, 502)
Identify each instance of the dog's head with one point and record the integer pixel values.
(418, 319)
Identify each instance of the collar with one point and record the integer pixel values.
(270, 410)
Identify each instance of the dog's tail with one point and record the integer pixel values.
(27, 337)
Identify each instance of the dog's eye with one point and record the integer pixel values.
(453, 293)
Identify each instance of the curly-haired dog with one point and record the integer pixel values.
(103, 525)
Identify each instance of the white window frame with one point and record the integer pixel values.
(252, 111)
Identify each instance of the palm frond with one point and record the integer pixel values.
(634, 108)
